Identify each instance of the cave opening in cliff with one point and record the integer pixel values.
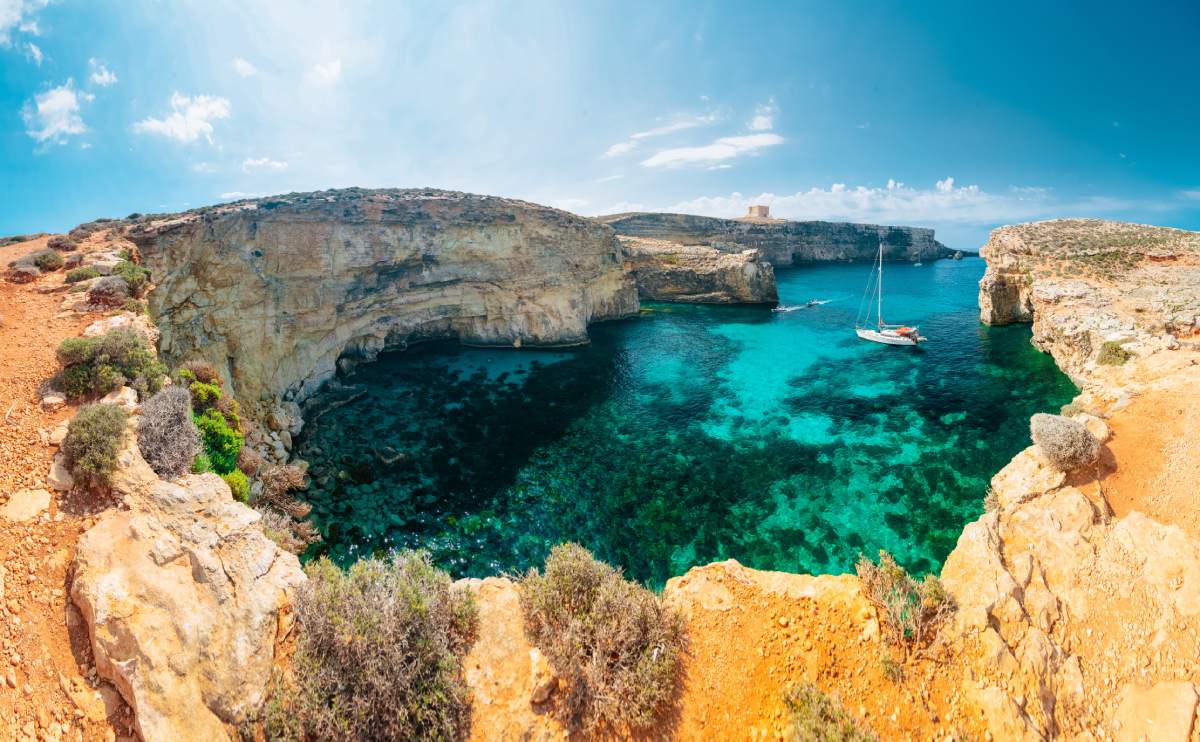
(688, 435)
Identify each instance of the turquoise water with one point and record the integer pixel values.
(691, 434)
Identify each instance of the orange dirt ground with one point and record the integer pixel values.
(48, 687)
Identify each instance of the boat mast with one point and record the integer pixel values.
(879, 285)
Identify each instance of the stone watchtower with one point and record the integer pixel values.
(759, 212)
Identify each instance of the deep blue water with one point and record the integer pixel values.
(692, 434)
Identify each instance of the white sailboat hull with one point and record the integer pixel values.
(887, 337)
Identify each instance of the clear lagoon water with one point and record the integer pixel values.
(691, 434)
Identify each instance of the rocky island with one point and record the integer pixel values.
(1076, 594)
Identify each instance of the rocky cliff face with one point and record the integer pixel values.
(276, 291)
(784, 242)
(669, 271)
(1085, 282)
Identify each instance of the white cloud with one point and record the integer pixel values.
(35, 52)
(610, 178)
(725, 148)
(623, 206)
(53, 116)
(263, 165)
(326, 73)
(237, 195)
(244, 68)
(620, 148)
(898, 203)
(190, 118)
(764, 117)
(1190, 195)
(679, 124)
(568, 204)
(16, 15)
(101, 75)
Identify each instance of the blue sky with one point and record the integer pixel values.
(945, 114)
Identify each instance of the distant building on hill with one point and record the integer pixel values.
(759, 212)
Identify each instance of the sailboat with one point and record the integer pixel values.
(882, 332)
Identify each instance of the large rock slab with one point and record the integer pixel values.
(25, 505)
(669, 271)
(275, 291)
(184, 599)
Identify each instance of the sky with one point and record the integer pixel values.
(952, 115)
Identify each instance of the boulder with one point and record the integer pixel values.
(25, 505)
(53, 402)
(184, 599)
(60, 477)
(137, 321)
(1163, 713)
(123, 397)
(110, 291)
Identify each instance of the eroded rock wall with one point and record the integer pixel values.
(784, 242)
(669, 271)
(275, 291)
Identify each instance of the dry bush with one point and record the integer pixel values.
(110, 291)
(278, 483)
(249, 461)
(167, 437)
(287, 532)
(614, 642)
(815, 717)
(378, 655)
(910, 610)
(202, 371)
(1066, 443)
(94, 438)
(62, 242)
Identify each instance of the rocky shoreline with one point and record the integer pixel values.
(1078, 593)
(695, 274)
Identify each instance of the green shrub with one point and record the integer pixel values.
(135, 276)
(204, 395)
(76, 275)
(1112, 354)
(239, 485)
(201, 464)
(96, 366)
(167, 437)
(815, 717)
(48, 260)
(910, 610)
(1066, 443)
(221, 442)
(379, 652)
(616, 644)
(94, 438)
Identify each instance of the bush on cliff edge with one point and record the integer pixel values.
(93, 441)
(1066, 443)
(378, 654)
(614, 642)
(167, 437)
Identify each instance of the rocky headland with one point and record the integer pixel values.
(276, 291)
(783, 242)
(163, 611)
(669, 271)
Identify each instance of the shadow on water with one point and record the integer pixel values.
(689, 435)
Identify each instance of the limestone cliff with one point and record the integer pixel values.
(275, 291)
(669, 271)
(1085, 282)
(784, 242)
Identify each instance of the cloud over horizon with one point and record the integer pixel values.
(54, 115)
